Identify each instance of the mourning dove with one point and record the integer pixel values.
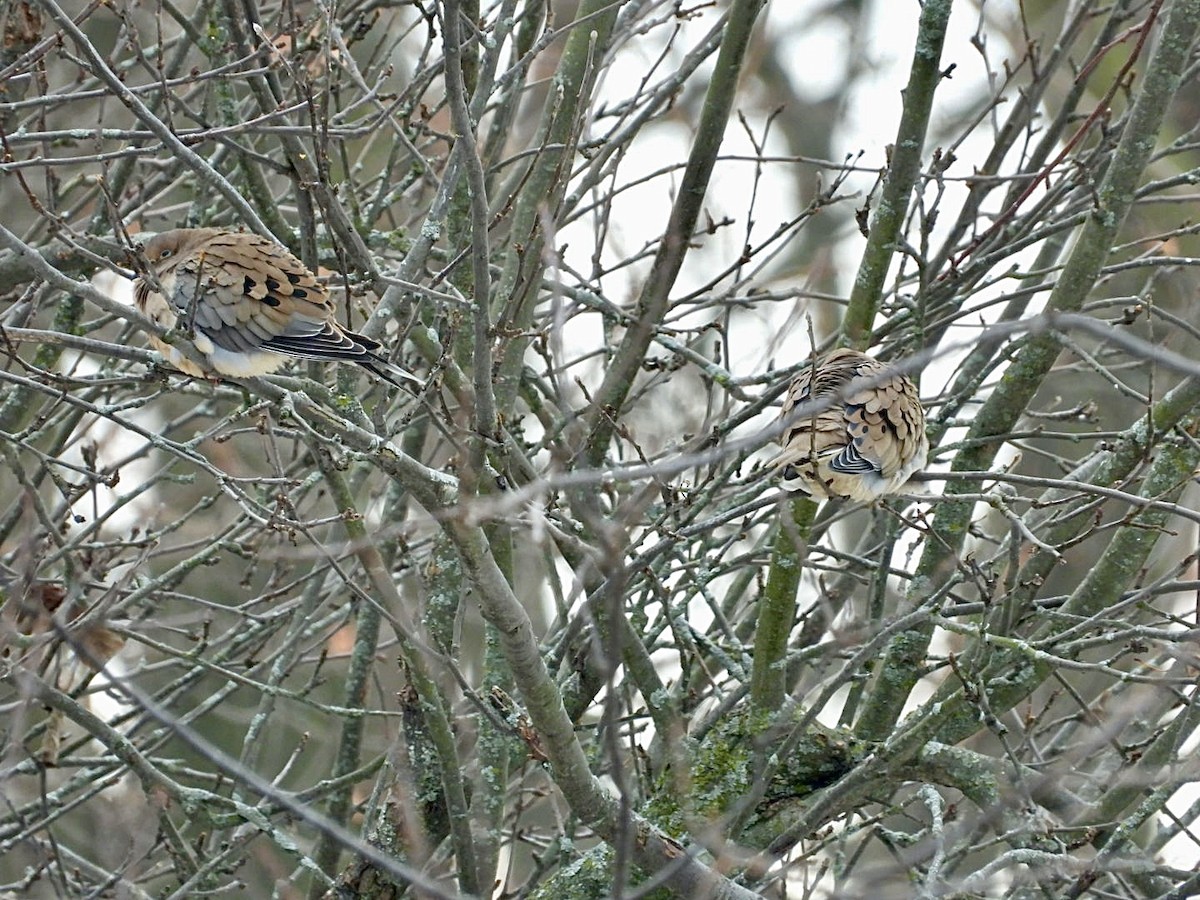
(250, 305)
(866, 436)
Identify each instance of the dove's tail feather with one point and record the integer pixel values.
(344, 346)
(390, 373)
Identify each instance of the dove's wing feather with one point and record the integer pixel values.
(248, 292)
(259, 296)
(864, 441)
(329, 343)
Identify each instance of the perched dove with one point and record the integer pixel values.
(250, 304)
(866, 437)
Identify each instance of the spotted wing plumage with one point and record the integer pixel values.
(864, 436)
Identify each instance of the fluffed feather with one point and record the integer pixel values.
(866, 437)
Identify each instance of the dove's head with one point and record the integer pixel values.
(166, 250)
